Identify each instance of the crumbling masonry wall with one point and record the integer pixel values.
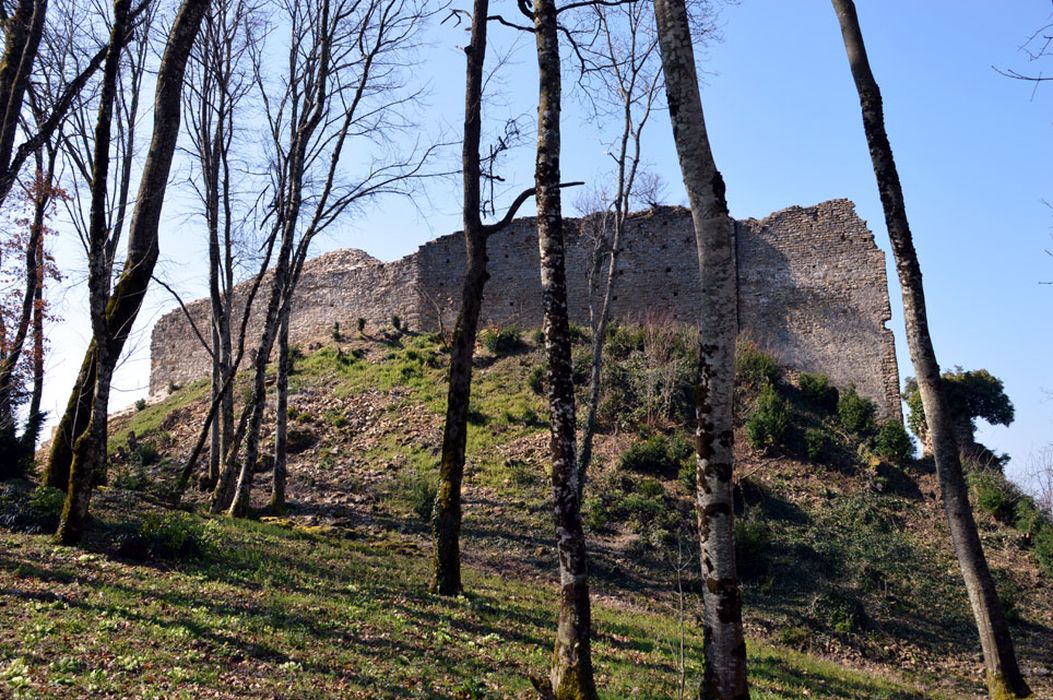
(812, 291)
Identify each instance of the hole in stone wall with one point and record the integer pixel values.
(668, 269)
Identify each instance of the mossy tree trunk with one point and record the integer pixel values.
(1003, 674)
(571, 674)
(723, 643)
(446, 518)
(123, 303)
(89, 450)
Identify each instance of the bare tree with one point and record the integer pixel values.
(724, 645)
(446, 515)
(1004, 679)
(119, 309)
(624, 56)
(220, 78)
(346, 65)
(76, 140)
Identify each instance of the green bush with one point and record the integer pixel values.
(32, 511)
(146, 454)
(131, 477)
(419, 491)
(856, 412)
(1027, 518)
(995, 494)
(140, 404)
(838, 611)
(752, 539)
(1043, 549)
(753, 367)
(818, 391)
(769, 423)
(361, 325)
(536, 380)
(165, 535)
(688, 476)
(502, 341)
(594, 513)
(815, 442)
(657, 454)
(892, 442)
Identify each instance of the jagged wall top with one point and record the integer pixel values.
(812, 291)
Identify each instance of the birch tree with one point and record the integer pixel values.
(1004, 679)
(571, 675)
(724, 645)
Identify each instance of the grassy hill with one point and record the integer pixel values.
(849, 586)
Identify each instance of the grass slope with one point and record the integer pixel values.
(850, 589)
(271, 611)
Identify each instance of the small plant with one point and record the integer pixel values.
(688, 476)
(335, 332)
(1043, 549)
(995, 494)
(146, 454)
(856, 413)
(132, 477)
(418, 491)
(501, 341)
(818, 391)
(396, 323)
(140, 404)
(753, 367)
(752, 539)
(769, 423)
(892, 443)
(536, 380)
(165, 535)
(838, 611)
(594, 513)
(655, 455)
(361, 325)
(173, 387)
(1027, 518)
(815, 443)
(47, 502)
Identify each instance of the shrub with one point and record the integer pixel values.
(815, 443)
(1043, 549)
(578, 334)
(817, 390)
(838, 611)
(132, 477)
(655, 455)
(396, 323)
(856, 412)
(995, 494)
(32, 511)
(361, 325)
(688, 476)
(594, 513)
(165, 535)
(753, 367)
(752, 539)
(418, 491)
(146, 454)
(769, 423)
(536, 380)
(502, 341)
(1027, 518)
(892, 442)
(335, 333)
(140, 404)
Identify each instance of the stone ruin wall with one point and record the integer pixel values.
(812, 292)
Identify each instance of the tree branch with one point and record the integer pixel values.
(491, 229)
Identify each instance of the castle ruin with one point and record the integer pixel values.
(812, 292)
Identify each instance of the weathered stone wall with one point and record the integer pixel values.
(812, 291)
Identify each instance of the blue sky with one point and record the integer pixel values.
(973, 150)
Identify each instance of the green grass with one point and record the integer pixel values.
(271, 611)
